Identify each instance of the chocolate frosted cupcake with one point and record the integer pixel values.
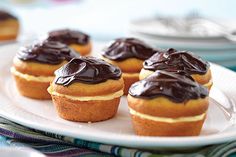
(128, 54)
(77, 40)
(172, 60)
(9, 26)
(87, 89)
(34, 66)
(168, 104)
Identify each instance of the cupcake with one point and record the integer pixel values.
(9, 26)
(172, 60)
(33, 67)
(77, 40)
(87, 89)
(128, 54)
(168, 104)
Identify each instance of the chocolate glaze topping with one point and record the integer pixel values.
(178, 87)
(48, 52)
(124, 48)
(68, 36)
(88, 70)
(5, 15)
(173, 60)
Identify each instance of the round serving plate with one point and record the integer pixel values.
(219, 126)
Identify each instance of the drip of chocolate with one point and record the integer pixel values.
(88, 70)
(173, 60)
(177, 87)
(68, 37)
(124, 48)
(48, 52)
(5, 15)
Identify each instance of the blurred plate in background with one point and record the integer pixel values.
(207, 38)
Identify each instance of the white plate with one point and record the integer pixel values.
(200, 44)
(210, 30)
(118, 131)
(161, 36)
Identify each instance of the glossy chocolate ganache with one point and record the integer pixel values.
(124, 48)
(173, 60)
(178, 87)
(48, 52)
(88, 70)
(68, 37)
(5, 15)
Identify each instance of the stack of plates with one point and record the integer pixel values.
(207, 40)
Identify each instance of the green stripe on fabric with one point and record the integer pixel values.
(232, 155)
(222, 149)
(155, 155)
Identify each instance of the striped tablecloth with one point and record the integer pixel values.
(15, 135)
